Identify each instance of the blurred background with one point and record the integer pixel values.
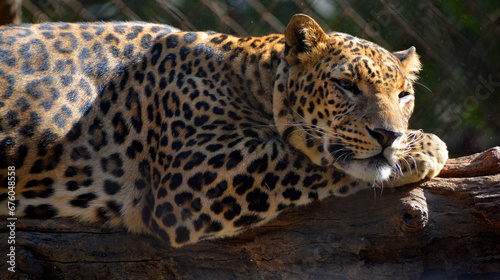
(458, 95)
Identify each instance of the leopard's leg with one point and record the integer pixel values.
(425, 157)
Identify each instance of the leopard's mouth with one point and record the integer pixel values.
(372, 169)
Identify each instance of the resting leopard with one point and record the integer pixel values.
(190, 136)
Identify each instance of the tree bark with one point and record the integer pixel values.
(445, 228)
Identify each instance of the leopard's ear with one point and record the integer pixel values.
(305, 41)
(410, 62)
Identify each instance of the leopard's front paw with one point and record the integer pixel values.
(425, 158)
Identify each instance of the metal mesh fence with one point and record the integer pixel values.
(458, 97)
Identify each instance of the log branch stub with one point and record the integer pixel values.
(414, 212)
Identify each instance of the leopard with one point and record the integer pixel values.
(191, 136)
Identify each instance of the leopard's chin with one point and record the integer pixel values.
(372, 169)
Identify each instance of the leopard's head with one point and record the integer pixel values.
(344, 101)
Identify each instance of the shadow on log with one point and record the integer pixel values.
(445, 228)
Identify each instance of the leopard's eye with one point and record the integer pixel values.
(348, 85)
(404, 94)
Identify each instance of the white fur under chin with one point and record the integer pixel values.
(360, 169)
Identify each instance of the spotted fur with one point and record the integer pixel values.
(198, 135)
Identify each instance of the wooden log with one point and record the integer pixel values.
(480, 164)
(447, 227)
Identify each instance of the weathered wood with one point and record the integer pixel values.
(443, 228)
(480, 164)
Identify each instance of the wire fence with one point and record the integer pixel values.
(459, 42)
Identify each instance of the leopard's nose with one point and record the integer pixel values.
(384, 137)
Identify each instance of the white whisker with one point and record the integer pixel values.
(409, 167)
